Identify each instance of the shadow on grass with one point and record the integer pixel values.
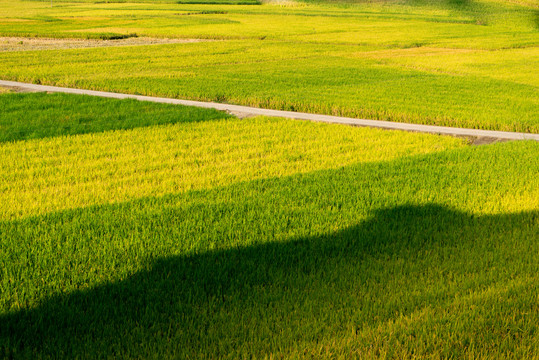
(267, 298)
(40, 115)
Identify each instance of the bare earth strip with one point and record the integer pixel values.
(28, 44)
(478, 136)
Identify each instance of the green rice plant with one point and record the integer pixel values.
(469, 65)
(40, 115)
(187, 154)
(348, 84)
(263, 238)
(134, 230)
(420, 256)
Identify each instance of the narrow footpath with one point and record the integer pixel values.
(480, 136)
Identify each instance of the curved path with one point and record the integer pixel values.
(248, 111)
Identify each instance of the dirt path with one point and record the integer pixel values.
(475, 136)
(28, 44)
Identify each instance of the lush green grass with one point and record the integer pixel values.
(106, 167)
(471, 64)
(276, 238)
(37, 116)
(133, 230)
(334, 262)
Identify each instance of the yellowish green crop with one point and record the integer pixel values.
(49, 175)
(452, 63)
(265, 238)
(41, 115)
(133, 230)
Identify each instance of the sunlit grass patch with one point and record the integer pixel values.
(336, 80)
(519, 64)
(415, 256)
(133, 230)
(41, 176)
(369, 60)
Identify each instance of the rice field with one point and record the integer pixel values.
(453, 63)
(260, 237)
(40, 115)
(138, 230)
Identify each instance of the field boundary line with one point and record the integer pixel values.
(443, 130)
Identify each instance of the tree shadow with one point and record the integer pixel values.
(30, 116)
(258, 299)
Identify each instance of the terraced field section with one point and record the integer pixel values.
(454, 63)
(155, 231)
